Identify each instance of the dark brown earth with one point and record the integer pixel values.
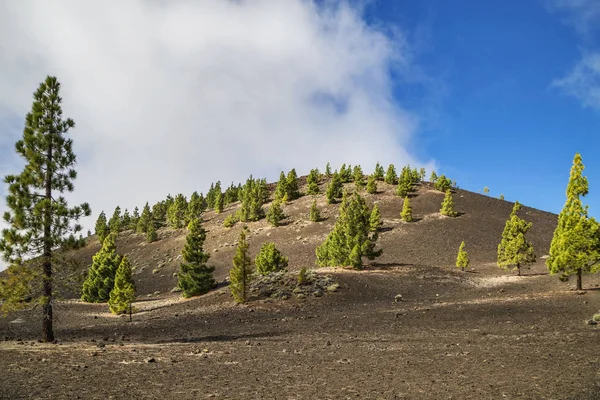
(480, 334)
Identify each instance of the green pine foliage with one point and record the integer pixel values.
(313, 182)
(514, 250)
(406, 214)
(151, 235)
(275, 213)
(403, 188)
(195, 277)
(229, 221)
(145, 220)
(219, 203)
(135, 217)
(334, 189)
(501, 196)
(486, 190)
(372, 184)
(433, 177)
(38, 217)
(292, 185)
(346, 173)
(123, 293)
(241, 273)
(270, 259)
(315, 213)
(254, 194)
(281, 191)
(126, 220)
(211, 195)
(375, 219)
(359, 177)
(443, 184)
(390, 176)
(462, 259)
(196, 206)
(351, 238)
(115, 222)
(378, 174)
(101, 227)
(159, 212)
(448, 205)
(422, 174)
(328, 170)
(575, 246)
(176, 213)
(100, 278)
(231, 194)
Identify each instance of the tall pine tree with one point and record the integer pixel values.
(514, 250)
(38, 216)
(240, 274)
(195, 277)
(575, 246)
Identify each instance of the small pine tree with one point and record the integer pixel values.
(442, 183)
(275, 213)
(158, 215)
(378, 174)
(126, 220)
(515, 251)
(462, 260)
(433, 177)
(101, 275)
(315, 214)
(135, 217)
(375, 219)
(501, 196)
(292, 185)
(123, 293)
(372, 184)
(486, 190)
(115, 222)
(229, 221)
(422, 174)
(101, 228)
(195, 277)
(328, 170)
(145, 220)
(334, 189)
(403, 188)
(448, 205)
(196, 207)
(313, 188)
(359, 177)
(151, 235)
(219, 202)
(240, 274)
(390, 176)
(406, 213)
(176, 213)
(269, 259)
(281, 191)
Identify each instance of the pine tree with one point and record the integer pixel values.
(195, 277)
(240, 274)
(219, 203)
(515, 251)
(281, 191)
(292, 185)
(375, 219)
(159, 213)
(145, 220)
(575, 246)
(39, 218)
(334, 189)
(351, 237)
(378, 174)
(270, 259)
(346, 174)
(390, 176)
(135, 217)
(501, 196)
(275, 213)
(254, 194)
(403, 188)
(101, 275)
(406, 213)
(448, 205)
(211, 195)
(196, 207)
(115, 222)
(151, 235)
(177, 212)
(231, 194)
(123, 293)
(433, 177)
(422, 174)
(101, 228)
(315, 214)
(328, 170)
(486, 190)
(372, 184)
(229, 221)
(462, 260)
(442, 183)
(313, 182)
(359, 177)
(126, 220)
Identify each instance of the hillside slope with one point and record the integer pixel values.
(432, 240)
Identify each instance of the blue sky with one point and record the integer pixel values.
(496, 118)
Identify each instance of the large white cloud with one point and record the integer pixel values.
(583, 81)
(170, 96)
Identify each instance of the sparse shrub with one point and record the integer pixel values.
(315, 214)
(303, 276)
(229, 221)
(240, 274)
(596, 317)
(390, 176)
(462, 260)
(123, 293)
(275, 213)
(375, 219)
(515, 251)
(372, 185)
(101, 275)
(448, 205)
(269, 259)
(406, 213)
(195, 277)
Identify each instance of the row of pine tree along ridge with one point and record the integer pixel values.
(41, 224)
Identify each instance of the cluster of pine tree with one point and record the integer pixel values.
(253, 195)
(312, 180)
(407, 180)
(287, 187)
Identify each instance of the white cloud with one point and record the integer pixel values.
(583, 81)
(581, 14)
(169, 96)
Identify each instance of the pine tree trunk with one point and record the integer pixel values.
(579, 285)
(47, 331)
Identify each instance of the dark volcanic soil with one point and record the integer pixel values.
(480, 334)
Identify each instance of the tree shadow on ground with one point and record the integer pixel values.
(385, 266)
(223, 338)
